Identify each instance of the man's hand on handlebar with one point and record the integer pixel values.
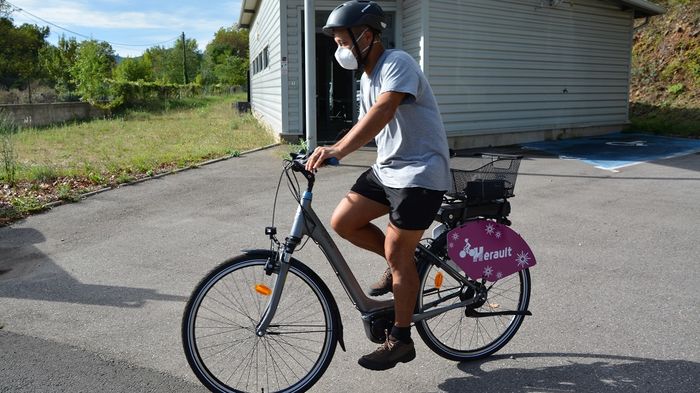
(322, 156)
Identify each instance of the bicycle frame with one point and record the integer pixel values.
(306, 219)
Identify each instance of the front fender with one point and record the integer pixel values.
(258, 252)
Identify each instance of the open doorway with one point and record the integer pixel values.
(337, 89)
(336, 106)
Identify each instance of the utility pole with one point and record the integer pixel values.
(184, 57)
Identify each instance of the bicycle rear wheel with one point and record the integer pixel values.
(457, 336)
(218, 329)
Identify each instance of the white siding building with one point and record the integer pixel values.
(503, 71)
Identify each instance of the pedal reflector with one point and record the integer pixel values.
(438, 280)
(263, 289)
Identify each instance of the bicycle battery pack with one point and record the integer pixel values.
(485, 190)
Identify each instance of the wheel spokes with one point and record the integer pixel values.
(227, 348)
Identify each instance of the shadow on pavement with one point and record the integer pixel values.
(48, 366)
(577, 373)
(689, 162)
(17, 253)
(27, 273)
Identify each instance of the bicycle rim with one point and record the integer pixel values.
(219, 330)
(456, 336)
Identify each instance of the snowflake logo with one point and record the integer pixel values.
(523, 259)
(455, 236)
(490, 229)
(488, 271)
(498, 234)
(499, 275)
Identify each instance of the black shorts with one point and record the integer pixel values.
(412, 208)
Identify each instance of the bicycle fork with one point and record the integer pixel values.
(283, 257)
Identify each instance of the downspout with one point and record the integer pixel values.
(249, 85)
(646, 21)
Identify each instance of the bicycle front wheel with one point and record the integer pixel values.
(219, 329)
(459, 335)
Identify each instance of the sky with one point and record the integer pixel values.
(129, 26)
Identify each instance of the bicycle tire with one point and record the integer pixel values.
(456, 336)
(218, 329)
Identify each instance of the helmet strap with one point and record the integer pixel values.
(362, 58)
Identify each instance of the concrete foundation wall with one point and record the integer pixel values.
(514, 138)
(36, 115)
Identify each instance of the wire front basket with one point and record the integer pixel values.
(493, 180)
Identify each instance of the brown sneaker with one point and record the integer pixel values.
(388, 355)
(382, 286)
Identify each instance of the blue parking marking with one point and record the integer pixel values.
(618, 150)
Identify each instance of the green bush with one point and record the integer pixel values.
(27, 204)
(93, 64)
(676, 88)
(66, 193)
(693, 64)
(126, 94)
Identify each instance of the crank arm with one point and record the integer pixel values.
(477, 314)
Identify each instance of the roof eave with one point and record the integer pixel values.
(643, 8)
(247, 14)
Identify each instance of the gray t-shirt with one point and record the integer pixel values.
(412, 148)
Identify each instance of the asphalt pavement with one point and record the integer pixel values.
(91, 293)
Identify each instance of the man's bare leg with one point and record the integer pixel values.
(400, 246)
(352, 220)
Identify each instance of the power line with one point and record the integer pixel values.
(84, 36)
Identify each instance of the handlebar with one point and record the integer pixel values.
(298, 164)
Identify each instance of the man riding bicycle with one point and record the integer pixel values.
(411, 173)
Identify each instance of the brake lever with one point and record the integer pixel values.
(302, 157)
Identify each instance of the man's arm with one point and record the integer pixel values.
(363, 132)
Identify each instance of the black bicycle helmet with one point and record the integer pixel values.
(356, 13)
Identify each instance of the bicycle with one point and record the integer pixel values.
(263, 321)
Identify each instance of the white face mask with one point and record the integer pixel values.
(346, 58)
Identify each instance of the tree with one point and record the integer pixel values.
(232, 41)
(19, 52)
(159, 58)
(167, 62)
(226, 57)
(93, 66)
(5, 9)
(233, 71)
(57, 61)
(134, 70)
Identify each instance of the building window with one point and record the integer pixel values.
(261, 61)
(265, 57)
